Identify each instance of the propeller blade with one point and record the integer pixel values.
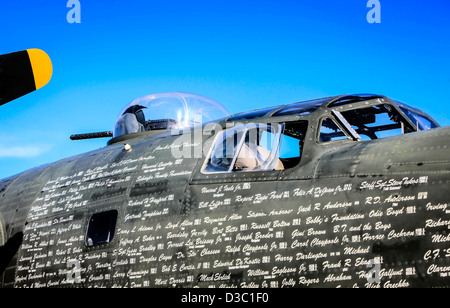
(23, 72)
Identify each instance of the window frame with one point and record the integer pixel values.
(346, 127)
(2, 232)
(419, 113)
(241, 142)
(339, 125)
(112, 226)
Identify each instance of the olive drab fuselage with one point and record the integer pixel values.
(346, 212)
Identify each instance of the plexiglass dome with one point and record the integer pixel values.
(172, 110)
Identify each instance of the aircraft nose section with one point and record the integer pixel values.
(431, 147)
(425, 152)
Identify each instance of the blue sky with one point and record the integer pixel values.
(245, 54)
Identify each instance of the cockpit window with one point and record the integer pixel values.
(377, 122)
(421, 122)
(301, 108)
(174, 110)
(247, 147)
(330, 131)
(252, 114)
(257, 147)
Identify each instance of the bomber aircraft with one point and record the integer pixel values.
(343, 191)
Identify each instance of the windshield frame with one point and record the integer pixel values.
(406, 110)
(410, 126)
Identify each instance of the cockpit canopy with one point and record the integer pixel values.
(172, 110)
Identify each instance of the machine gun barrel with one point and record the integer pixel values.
(91, 135)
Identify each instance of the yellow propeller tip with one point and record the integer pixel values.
(42, 67)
